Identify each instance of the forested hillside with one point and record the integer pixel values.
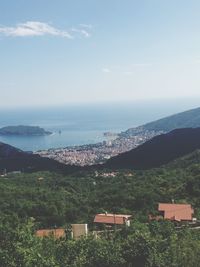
(29, 201)
(187, 119)
(158, 151)
(14, 159)
(43, 199)
(54, 199)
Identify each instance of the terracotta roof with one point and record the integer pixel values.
(111, 218)
(57, 233)
(176, 212)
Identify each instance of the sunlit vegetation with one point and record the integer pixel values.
(44, 199)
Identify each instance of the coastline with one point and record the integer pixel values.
(97, 153)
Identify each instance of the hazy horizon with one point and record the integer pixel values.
(183, 104)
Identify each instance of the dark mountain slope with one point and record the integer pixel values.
(7, 151)
(13, 159)
(187, 119)
(159, 150)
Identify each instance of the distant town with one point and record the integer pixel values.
(98, 153)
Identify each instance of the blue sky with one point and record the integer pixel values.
(66, 51)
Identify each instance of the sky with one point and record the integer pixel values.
(54, 52)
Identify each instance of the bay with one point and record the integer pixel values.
(82, 124)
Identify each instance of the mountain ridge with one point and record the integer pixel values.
(158, 151)
(14, 159)
(187, 119)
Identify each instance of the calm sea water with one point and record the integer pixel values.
(85, 124)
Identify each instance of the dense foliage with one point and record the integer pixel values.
(53, 199)
(142, 245)
(44, 199)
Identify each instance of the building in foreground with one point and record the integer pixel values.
(56, 233)
(112, 219)
(76, 231)
(176, 212)
(79, 230)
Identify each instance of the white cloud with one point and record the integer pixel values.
(85, 33)
(36, 28)
(33, 28)
(81, 31)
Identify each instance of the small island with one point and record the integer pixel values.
(22, 130)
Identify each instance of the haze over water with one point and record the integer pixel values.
(85, 124)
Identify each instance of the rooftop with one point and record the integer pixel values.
(177, 212)
(109, 218)
(57, 233)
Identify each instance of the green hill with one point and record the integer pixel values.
(158, 151)
(53, 200)
(14, 159)
(187, 119)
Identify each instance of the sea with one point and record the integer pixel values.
(81, 124)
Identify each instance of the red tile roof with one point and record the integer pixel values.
(111, 218)
(57, 233)
(176, 212)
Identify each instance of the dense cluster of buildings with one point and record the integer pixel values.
(97, 153)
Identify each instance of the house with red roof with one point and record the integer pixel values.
(176, 212)
(112, 219)
(56, 233)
